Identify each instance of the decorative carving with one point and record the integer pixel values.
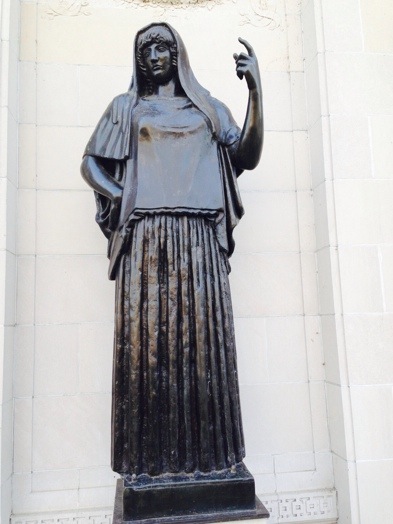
(259, 13)
(67, 8)
(103, 517)
(262, 13)
(307, 507)
(171, 5)
(315, 506)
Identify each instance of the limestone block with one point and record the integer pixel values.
(298, 93)
(351, 148)
(310, 44)
(8, 260)
(12, 143)
(309, 283)
(375, 480)
(98, 85)
(97, 477)
(301, 160)
(368, 343)
(275, 172)
(336, 413)
(376, 17)
(314, 87)
(386, 268)
(27, 156)
(346, 478)
(270, 223)
(382, 150)
(66, 225)
(60, 37)
(305, 211)
(7, 437)
(97, 496)
(342, 25)
(59, 155)
(251, 345)
(265, 483)
(360, 280)
(23, 377)
(320, 430)
(295, 41)
(372, 411)
(260, 464)
(286, 349)
(8, 333)
(27, 501)
(25, 291)
(26, 239)
(81, 422)
(23, 424)
(65, 288)
(315, 356)
(11, 194)
(321, 217)
(56, 360)
(6, 499)
(356, 204)
(358, 207)
(275, 288)
(57, 94)
(294, 462)
(326, 304)
(277, 101)
(27, 93)
(385, 192)
(330, 349)
(28, 32)
(321, 477)
(57, 480)
(95, 343)
(3, 211)
(347, 71)
(283, 408)
(317, 154)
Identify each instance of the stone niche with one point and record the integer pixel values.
(73, 58)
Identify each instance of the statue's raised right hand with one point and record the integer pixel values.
(247, 66)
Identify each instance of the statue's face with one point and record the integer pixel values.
(158, 62)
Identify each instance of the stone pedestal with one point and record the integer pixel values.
(213, 498)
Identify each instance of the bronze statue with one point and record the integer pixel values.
(163, 163)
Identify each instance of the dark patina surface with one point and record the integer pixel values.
(163, 162)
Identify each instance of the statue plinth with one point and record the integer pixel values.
(213, 497)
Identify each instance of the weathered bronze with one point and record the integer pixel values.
(163, 163)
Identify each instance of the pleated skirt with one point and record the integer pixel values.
(175, 405)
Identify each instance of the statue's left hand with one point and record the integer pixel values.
(247, 66)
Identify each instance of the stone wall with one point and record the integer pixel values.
(310, 276)
(349, 71)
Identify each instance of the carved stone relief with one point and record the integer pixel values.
(67, 8)
(259, 13)
(262, 13)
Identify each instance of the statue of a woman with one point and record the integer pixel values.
(163, 162)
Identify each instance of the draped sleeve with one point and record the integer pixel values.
(111, 142)
(111, 138)
(228, 134)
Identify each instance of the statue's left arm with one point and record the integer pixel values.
(249, 147)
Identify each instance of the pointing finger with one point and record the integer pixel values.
(248, 46)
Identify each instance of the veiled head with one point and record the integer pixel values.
(156, 54)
